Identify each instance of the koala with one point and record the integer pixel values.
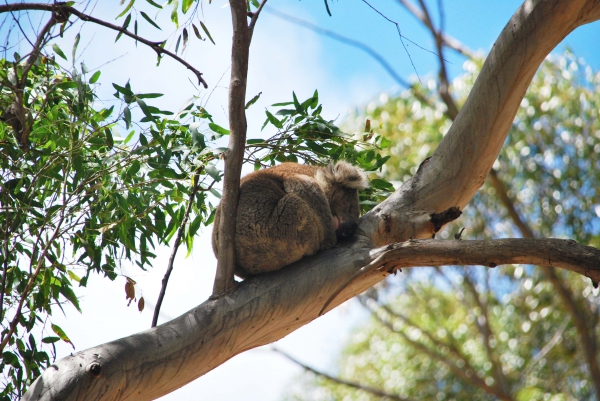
(290, 211)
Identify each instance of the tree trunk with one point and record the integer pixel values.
(266, 308)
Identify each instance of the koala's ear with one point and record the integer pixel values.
(342, 174)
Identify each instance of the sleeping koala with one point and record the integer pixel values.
(290, 211)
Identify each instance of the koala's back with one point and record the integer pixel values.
(283, 215)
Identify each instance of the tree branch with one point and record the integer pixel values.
(486, 331)
(254, 18)
(66, 11)
(367, 389)
(265, 308)
(448, 40)
(234, 157)
(176, 244)
(463, 159)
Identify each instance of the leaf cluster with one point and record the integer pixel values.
(83, 198)
(304, 135)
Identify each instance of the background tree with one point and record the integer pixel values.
(447, 333)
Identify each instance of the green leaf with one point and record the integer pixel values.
(273, 120)
(95, 77)
(124, 26)
(144, 108)
(50, 340)
(150, 20)
(148, 95)
(128, 138)
(73, 276)
(206, 32)
(68, 293)
(58, 51)
(60, 332)
(286, 112)
(174, 16)
(124, 90)
(127, 118)
(126, 9)
(67, 85)
(154, 4)
(11, 359)
(109, 138)
(75, 44)
(177, 45)
(185, 6)
(255, 3)
(282, 104)
(297, 105)
(253, 100)
(381, 184)
(213, 172)
(197, 32)
(218, 129)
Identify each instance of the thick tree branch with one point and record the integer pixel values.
(463, 159)
(268, 307)
(66, 11)
(357, 386)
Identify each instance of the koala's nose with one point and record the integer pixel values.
(346, 229)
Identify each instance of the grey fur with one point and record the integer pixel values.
(289, 211)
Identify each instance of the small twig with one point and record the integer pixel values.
(88, 18)
(451, 42)
(254, 18)
(165, 280)
(547, 348)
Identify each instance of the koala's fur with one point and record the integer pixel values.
(291, 211)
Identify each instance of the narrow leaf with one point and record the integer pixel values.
(154, 4)
(126, 9)
(150, 20)
(58, 51)
(125, 25)
(177, 45)
(253, 100)
(185, 38)
(213, 172)
(197, 32)
(75, 44)
(206, 32)
(273, 120)
(60, 332)
(218, 129)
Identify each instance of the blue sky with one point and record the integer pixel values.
(284, 58)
